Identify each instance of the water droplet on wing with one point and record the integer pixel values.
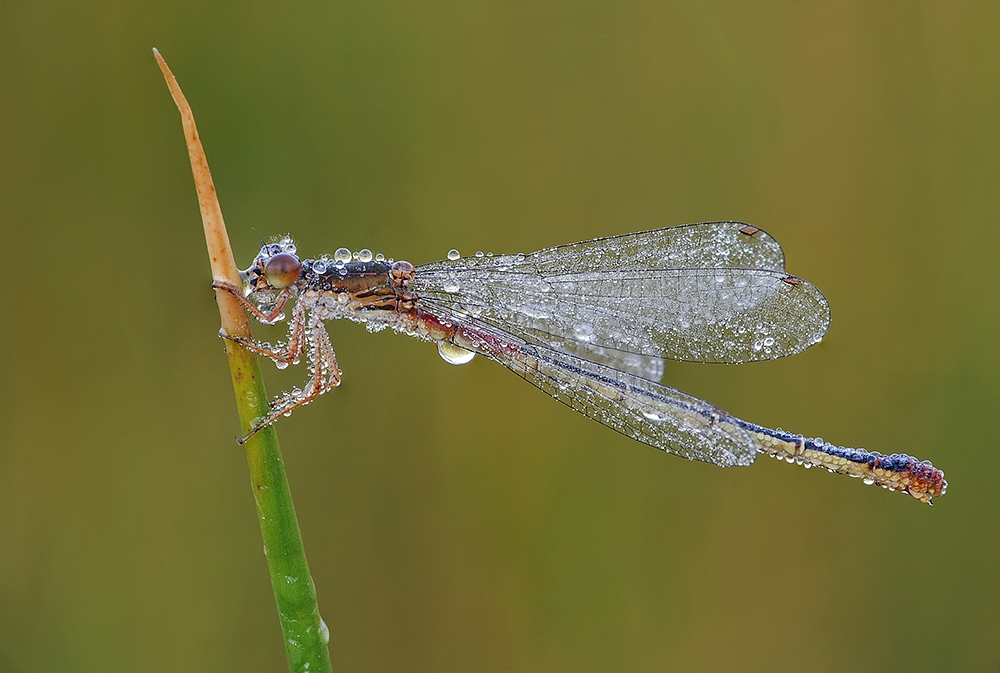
(584, 332)
(455, 355)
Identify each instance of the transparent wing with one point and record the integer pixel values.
(611, 299)
(734, 245)
(646, 411)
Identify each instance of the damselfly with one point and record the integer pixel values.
(589, 323)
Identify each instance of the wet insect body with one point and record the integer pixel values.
(589, 323)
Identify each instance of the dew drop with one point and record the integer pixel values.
(455, 355)
(451, 285)
(364, 255)
(453, 254)
(342, 255)
(319, 266)
(380, 257)
(281, 365)
(479, 253)
(584, 332)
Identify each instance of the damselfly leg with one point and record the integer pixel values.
(302, 337)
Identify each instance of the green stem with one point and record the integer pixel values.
(304, 632)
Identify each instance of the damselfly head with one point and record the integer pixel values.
(275, 267)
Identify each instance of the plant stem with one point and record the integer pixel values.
(304, 632)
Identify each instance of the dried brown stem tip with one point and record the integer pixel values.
(234, 318)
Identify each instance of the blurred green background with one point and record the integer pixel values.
(456, 519)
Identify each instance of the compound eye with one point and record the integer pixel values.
(282, 270)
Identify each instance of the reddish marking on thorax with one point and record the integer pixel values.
(431, 325)
(464, 336)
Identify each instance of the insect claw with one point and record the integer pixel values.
(242, 440)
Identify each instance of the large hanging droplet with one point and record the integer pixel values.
(455, 355)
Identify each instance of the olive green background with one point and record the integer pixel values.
(456, 519)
